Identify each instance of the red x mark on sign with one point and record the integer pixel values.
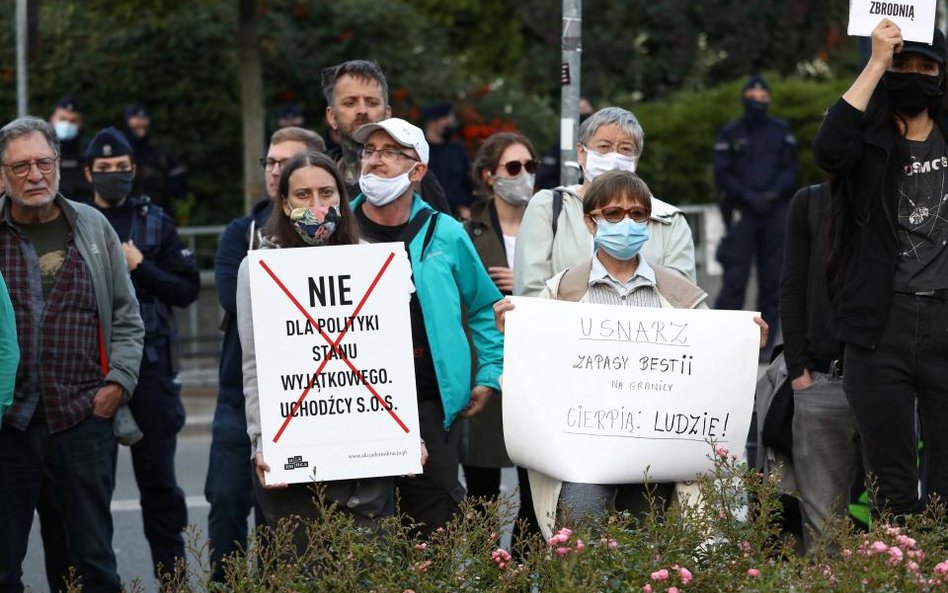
(334, 345)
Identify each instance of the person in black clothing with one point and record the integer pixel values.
(448, 161)
(825, 442)
(755, 171)
(885, 142)
(165, 275)
(159, 174)
(67, 121)
(357, 93)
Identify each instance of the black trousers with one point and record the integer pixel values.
(885, 386)
(433, 498)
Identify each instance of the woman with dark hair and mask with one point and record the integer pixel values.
(885, 143)
(312, 209)
(504, 172)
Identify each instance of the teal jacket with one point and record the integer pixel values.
(447, 275)
(9, 349)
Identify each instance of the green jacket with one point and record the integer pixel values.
(448, 275)
(9, 349)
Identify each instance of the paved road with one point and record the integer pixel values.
(131, 550)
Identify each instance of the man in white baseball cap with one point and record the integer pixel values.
(448, 274)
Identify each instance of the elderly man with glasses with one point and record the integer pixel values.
(449, 281)
(80, 336)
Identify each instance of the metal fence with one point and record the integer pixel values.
(199, 324)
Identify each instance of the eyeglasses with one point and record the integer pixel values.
(618, 213)
(624, 148)
(386, 154)
(271, 164)
(513, 167)
(22, 169)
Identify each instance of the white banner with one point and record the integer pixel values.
(327, 413)
(604, 394)
(916, 18)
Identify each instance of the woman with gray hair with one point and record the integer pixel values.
(553, 235)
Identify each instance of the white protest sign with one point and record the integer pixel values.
(602, 394)
(916, 18)
(325, 413)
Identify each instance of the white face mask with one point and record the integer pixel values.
(597, 164)
(380, 191)
(516, 191)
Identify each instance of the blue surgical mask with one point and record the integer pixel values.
(65, 130)
(622, 240)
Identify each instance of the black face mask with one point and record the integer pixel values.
(912, 92)
(755, 112)
(113, 187)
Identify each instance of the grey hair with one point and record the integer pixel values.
(364, 69)
(22, 126)
(613, 116)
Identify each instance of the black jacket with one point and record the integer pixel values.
(804, 300)
(859, 157)
(231, 250)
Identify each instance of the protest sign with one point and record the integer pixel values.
(916, 18)
(336, 377)
(602, 394)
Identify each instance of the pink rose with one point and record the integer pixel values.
(562, 552)
(612, 544)
(721, 452)
(579, 545)
(685, 575)
(660, 575)
(895, 556)
(879, 547)
(753, 572)
(942, 568)
(673, 590)
(647, 588)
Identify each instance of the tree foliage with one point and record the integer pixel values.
(498, 60)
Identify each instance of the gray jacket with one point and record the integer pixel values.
(122, 328)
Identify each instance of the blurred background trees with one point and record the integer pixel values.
(676, 64)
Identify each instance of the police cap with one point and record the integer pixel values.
(108, 143)
(68, 103)
(136, 110)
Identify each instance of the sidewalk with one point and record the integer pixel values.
(199, 395)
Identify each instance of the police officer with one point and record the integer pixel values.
(67, 121)
(165, 275)
(755, 171)
(158, 175)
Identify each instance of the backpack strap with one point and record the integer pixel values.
(415, 224)
(574, 283)
(557, 208)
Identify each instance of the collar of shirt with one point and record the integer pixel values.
(644, 276)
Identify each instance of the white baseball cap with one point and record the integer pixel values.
(403, 132)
